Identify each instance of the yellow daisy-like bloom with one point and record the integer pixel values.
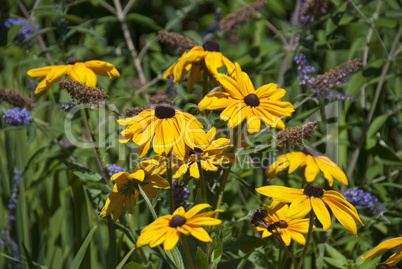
(194, 61)
(83, 72)
(125, 191)
(279, 222)
(208, 157)
(167, 229)
(388, 244)
(241, 101)
(314, 163)
(315, 197)
(170, 129)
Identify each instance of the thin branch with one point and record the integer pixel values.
(29, 17)
(276, 32)
(371, 25)
(149, 84)
(128, 7)
(397, 52)
(291, 47)
(107, 6)
(129, 41)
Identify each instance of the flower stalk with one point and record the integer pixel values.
(309, 235)
(170, 180)
(187, 251)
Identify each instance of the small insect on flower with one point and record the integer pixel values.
(83, 72)
(167, 229)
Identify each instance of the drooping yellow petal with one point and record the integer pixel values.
(311, 169)
(41, 71)
(387, 244)
(200, 234)
(299, 207)
(78, 72)
(172, 237)
(394, 258)
(281, 193)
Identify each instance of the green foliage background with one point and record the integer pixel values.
(62, 190)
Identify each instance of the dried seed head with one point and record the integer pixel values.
(335, 77)
(83, 93)
(134, 111)
(311, 11)
(239, 17)
(176, 40)
(295, 135)
(15, 98)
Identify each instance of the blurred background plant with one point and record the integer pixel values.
(49, 210)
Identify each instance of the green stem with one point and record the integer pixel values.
(309, 235)
(203, 183)
(187, 251)
(148, 203)
(226, 171)
(102, 165)
(279, 238)
(169, 178)
(176, 260)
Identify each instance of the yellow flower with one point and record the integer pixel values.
(172, 128)
(241, 101)
(83, 72)
(278, 220)
(167, 229)
(388, 244)
(194, 61)
(314, 197)
(125, 191)
(314, 163)
(209, 157)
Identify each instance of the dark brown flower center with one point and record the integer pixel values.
(281, 224)
(196, 151)
(313, 190)
(252, 100)
(164, 112)
(177, 221)
(211, 46)
(73, 60)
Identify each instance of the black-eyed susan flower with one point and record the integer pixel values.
(126, 189)
(277, 221)
(314, 163)
(167, 229)
(388, 244)
(314, 197)
(75, 69)
(170, 129)
(208, 157)
(241, 101)
(195, 61)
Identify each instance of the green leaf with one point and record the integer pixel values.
(375, 125)
(132, 265)
(13, 32)
(31, 132)
(244, 259)
(81, 252)
(245, 244)
(82, 172)
(201, 259)
(144, 20)
(336, 254)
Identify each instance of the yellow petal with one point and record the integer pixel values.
(394, 258)
(200, 234)
(172, 237)
(387, 244)
(41, 71)
(78, 72)
(230, 85)
(321, 212)
(311, 169)
(194, 210)
(299, 207)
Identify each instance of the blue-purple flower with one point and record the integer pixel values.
(17, 116)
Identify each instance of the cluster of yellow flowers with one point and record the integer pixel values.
(182, 145)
